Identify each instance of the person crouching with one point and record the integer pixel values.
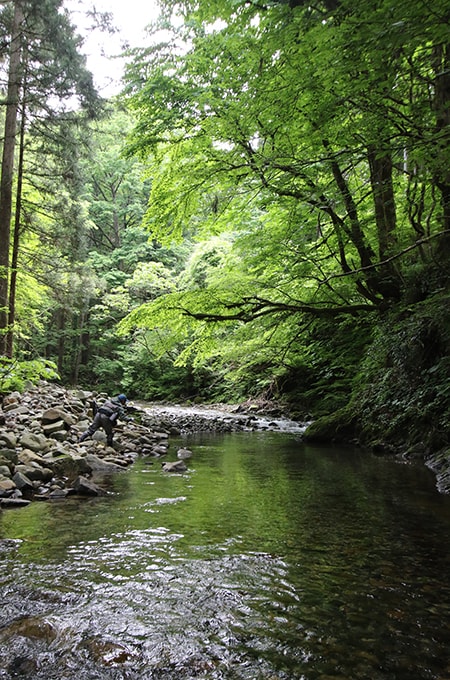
(106, 417)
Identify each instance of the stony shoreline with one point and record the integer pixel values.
(41, 459)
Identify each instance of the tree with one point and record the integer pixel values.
(318, 135)
(302, 106)
(7, 170)
(46, 75)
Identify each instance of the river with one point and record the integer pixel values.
(268, 559)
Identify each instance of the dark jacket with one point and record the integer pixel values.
(113, 409)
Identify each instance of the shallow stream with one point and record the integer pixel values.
(268, 559)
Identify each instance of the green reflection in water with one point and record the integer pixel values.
(262, 492)
(316, 562)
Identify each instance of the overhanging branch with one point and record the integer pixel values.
(249, 309)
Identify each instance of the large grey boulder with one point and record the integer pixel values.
(22, 482)
(35, 442)
(86, 487)
(97, 464)
(8, 440)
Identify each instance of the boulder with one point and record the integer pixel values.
(8, 440)
(51, 428)
(68, 465)
(27, 456)
(6, 486)
(22, 482)
(159, 450)
(82, 395)
(60, 436)
(97, 464)
(15, 409)
(8, 455)
(35, 442)
(13, 502)
(53, 415)
(35, 472)
(86, 487)
(122, 462)
(184, 453)
(58, 494)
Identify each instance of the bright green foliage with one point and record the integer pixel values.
(315, 138)
(15, 375)
(297, 155)
(47, 79)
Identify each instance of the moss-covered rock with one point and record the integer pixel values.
(339, 426)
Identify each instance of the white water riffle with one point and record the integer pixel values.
(244, 421)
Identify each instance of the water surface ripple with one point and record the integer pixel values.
(267, 559)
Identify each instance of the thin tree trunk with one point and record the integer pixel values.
(7, 170)
(79, 348)
(16, 239)
(61, 325)
(442, 108)
(380, 164)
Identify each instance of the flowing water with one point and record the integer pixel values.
(268, 559)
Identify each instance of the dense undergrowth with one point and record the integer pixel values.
(400, 399)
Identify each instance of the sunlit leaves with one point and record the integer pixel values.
(303, 134)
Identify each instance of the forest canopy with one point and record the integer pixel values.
(316, 139)
(264, 210)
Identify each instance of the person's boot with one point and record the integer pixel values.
(82, 437)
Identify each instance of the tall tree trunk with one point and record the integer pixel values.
(442, 108)
(380, 165)
(79, 347)
(7, 170)
(355, 232)
(16, 239)
(61, 325)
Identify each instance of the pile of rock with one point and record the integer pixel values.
(40, 457)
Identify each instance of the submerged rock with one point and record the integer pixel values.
(184, 453)
(174, 466)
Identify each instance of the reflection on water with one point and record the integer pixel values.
(268, 559)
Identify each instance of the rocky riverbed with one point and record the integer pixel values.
(220, 418)
(41, 459)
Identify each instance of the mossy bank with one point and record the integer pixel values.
(400, 401)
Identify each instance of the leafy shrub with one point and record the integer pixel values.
(404, 383)
(14, 375)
